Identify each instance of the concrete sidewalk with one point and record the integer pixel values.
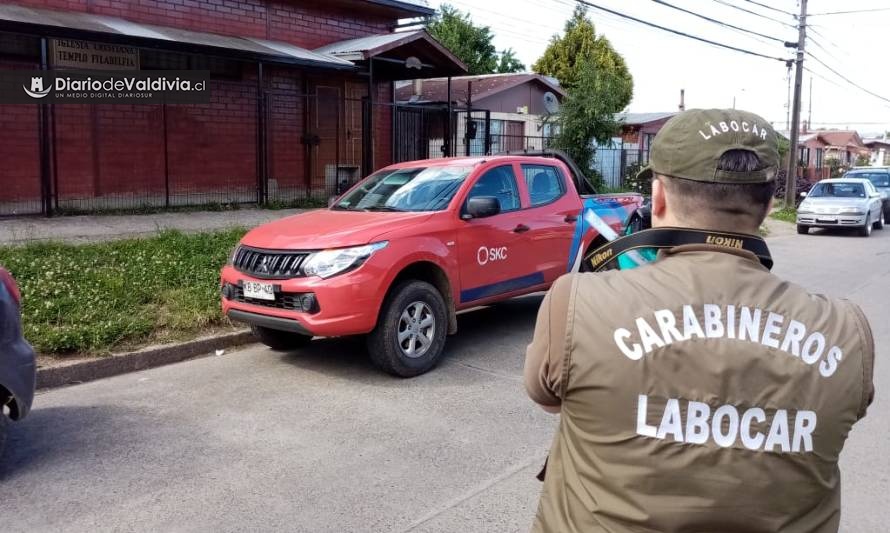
(78, 229)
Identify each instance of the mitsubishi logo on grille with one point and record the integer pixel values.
(263, 267)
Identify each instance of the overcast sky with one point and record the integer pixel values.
(662, 63)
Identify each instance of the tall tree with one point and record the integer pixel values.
(568, 54)
(588, 113)
(470, 43)
(508, 62)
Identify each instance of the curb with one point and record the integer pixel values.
(52, 377)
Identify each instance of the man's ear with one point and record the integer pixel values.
(659, 203)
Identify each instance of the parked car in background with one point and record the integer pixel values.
(17, 365)
(841, 202)
(403, 251)
(880, 178)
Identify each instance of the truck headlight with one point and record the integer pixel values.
(329, 263)
(851, 211)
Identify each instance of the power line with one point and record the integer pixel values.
(772, 8)
(761, 15)
(846, 79)
(812, 28)
(715, 21)
(677, 32)
(827, 51)
(851, 12)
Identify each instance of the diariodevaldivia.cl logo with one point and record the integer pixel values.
(37, 90)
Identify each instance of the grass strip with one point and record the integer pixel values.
(95, 298)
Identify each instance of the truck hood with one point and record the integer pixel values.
(324, 228)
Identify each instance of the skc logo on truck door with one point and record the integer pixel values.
(486, 255)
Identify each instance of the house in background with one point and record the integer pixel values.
(880, 151)
(490, 113)
(845, 146)
(816, 149)
(301, 100)
(811, 161)
(629, 149)
(639, 129)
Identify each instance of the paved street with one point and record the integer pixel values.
(319, 441)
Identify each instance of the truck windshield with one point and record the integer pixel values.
(406, 189)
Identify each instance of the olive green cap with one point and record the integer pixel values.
(690, 145)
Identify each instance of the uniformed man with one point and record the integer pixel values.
(699, 392)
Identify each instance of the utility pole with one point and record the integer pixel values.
(789, 64)
(791, 178)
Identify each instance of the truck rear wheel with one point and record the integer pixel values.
(410, 335)
(280, 340)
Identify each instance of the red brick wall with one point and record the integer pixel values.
(383, 127)
(19, 150)
(212, 147)
(287, 163)
(104, 150)
(309, 24)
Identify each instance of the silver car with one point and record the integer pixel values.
(841, 203)
(879, 177)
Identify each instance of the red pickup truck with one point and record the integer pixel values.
(400, 253)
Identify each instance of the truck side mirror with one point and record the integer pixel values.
(482, 206)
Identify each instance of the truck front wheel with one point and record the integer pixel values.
(410, 335)
(280, 340)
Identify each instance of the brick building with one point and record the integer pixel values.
(301, 101)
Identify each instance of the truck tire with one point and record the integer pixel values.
(410, 335)
(280, 340)
(803, 230)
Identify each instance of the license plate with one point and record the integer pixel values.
(258, 290)
(827, 220)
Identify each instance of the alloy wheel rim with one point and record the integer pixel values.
(417, 329)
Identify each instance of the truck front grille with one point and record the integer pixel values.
(269, 264)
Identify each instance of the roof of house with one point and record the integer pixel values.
(833, 138)
(634, 119)
(869, 142)
(409, 9)
(849, 139)
(66, 23)
(483, 86)
(423, 49)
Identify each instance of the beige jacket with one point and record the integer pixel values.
(698, 393)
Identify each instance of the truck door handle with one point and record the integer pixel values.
(571, 218)
(521, 228)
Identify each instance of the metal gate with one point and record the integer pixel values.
(423, 132)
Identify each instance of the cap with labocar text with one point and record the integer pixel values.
(690, 144)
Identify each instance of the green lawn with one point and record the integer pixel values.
(94, 298)
(785, 214)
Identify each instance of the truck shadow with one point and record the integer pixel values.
(491, 338)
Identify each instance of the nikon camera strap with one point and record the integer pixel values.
(661, 238)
